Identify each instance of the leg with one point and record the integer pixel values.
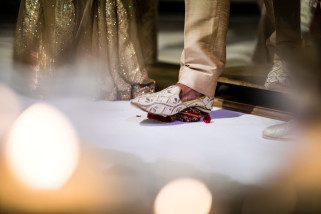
(264, 48)
(287, 26)
(286, 40)
(287, 48)
(204, 55)
(270, 16)
(202, 62)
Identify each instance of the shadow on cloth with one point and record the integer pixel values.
(217, 114)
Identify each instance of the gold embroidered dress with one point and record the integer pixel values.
(104, 36)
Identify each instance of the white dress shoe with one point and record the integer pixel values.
(167, 102)
(283, 132)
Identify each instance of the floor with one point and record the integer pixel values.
(229, 152)
(244, 156)
(228, 155)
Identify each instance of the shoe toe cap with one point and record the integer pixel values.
(280, 131)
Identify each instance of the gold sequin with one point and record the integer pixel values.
(51, 33)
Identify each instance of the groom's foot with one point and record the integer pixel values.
(173, 100)
(187, 115)
(188, 93)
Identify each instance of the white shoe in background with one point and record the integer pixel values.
(279, 77)
(282, 132)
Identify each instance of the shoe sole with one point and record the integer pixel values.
(283, 139)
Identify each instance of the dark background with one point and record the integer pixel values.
(9, 8)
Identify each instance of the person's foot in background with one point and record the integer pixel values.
(279, 76)
(282, 132)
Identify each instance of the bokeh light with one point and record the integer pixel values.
(42, 148)
(184, 196)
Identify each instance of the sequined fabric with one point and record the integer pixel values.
(101, 35)
(279, 77)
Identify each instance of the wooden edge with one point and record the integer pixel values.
(225, 80)
(250, 109)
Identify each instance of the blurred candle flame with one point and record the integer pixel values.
(42, 148)
(184, 196)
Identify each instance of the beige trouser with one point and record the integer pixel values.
(204, 55)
